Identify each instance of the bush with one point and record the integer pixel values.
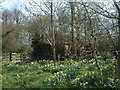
(41, 51)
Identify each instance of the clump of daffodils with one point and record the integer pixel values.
(62, 73)
(83, 84)
(56, 75)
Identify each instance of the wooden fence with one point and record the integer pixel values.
(15, 56)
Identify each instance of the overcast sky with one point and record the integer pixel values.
(11, 4)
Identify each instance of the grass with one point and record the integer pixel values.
(43, 74)
(23, 76)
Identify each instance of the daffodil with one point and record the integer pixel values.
(65, 74)
(77, 78)
(93, 63)
(32, 63)
(92, 72)
(81, 84)
(89, 72)
(48, 79)
(52, 76)
(57, 73)
(85, 74)
(61, 71)
(17, 75)
(86, 82)
(0, 75)
(53, 68)
(105, 85)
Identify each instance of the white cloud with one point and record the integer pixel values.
(31, 1)
(5, 4)
(37, 1)
(10, 4)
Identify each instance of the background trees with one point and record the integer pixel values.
(9, 35)
(12, 27)
(91, 29)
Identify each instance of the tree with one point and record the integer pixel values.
(72, 6)
(53, 32)
(100, 9)
(118, 52)
(10, 30)
(9, 44)
(116, 16)
(46, 25)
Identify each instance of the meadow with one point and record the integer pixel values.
(65, 74)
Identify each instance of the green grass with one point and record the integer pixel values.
(28, 75)
(68, 73)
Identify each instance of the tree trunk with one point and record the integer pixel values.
(53, 34)
(21, 56)
(118, 53)
(95, 53)
(54, 53)
(10, 56)
(117, 72)
(72, 27)
(78, 36)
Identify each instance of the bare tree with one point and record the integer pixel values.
(53, 33)
(115, 16)
(117, 5)
(72, 7)
(46, 28)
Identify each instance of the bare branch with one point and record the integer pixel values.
(108, 15)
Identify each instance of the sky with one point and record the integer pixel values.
(16, 4)
(11, 4)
